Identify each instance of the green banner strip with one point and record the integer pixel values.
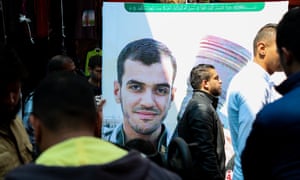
(200, 7)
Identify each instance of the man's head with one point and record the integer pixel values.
(265, 49)
(146, 51)
(12, 73)
(204, 77)
(61, 63)
(146, 73)
(63, 107)
(288, 41)
(95, 68)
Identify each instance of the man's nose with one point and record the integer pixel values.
(147, 98)
(12, 98)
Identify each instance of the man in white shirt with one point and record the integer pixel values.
(251, 89)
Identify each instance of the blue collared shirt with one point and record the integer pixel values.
(249, 90)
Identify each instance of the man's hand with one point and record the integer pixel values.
(100, 105)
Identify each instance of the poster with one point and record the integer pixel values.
(218, 33)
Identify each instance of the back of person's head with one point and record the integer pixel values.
(11, 67)
(60, 63)
(199, 73)
(147, 148)
(266, 33)
(64, 100)
(147, 51)
(141, 145)
(288, 32)
(95, 61)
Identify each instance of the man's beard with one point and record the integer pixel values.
(9, 114)
(216, 92)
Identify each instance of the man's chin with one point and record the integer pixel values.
(10, 114)
(9, 118)
(146, 131)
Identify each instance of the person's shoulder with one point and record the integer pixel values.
(17, 126)
(272, 113)
(131, 166)
(18, 121)
(23, 172)
(201, 101)
(160, 173)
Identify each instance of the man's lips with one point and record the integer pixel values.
(146, 114)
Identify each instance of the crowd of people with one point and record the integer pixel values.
(56, 132)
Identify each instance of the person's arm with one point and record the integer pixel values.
(250, 105)
(202, 128)
(246, 117)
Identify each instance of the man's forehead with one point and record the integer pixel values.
(165, 63)
(155, 73)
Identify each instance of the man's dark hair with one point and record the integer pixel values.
(200, 73)
(95, 61)
(56, 63)
(147, 50)
(65, 100)
(11, 67)
(288, 32)
(264, 33)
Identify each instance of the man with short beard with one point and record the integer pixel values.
(201, 126)
(146, 72)
(15, 147)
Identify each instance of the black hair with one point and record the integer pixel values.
(57, 62)
(95, 61)
(65, 100)
(200, 73)
(11, 67)
(288, 32)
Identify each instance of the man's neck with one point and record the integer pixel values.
(5, 125)
(94, 82)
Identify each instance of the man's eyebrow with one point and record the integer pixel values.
(164, 85)
(141, 83)
(134, 82)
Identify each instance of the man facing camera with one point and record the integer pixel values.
(15, 147)
(146, 72)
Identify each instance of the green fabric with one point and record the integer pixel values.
(81, 151)
(91, 53)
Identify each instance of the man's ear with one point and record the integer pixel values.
(204, 85)
(36, 125)
(261, 49)
(117, 89)
(173, 91)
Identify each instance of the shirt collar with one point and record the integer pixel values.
(213, 99)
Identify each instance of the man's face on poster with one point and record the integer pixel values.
(145, 94)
